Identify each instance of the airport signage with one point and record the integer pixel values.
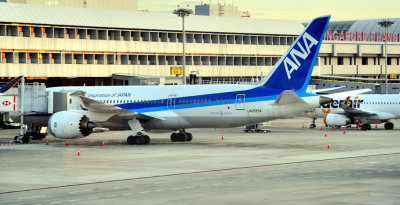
(361, 36)
(176, 70)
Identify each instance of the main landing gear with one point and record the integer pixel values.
(138, 139)
(388, 126)
(182, 136)
(142, 139)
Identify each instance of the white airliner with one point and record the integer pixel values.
(281, 94)
(365, 109)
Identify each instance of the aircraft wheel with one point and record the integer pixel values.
(389, 125)
(139, 139)
(364, 126)
(182, 137)
(369, 127)
(189, 136)
(130, 140)
(174, 137)
(146, 139)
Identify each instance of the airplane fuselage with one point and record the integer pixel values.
(200, 106)
(386, 106)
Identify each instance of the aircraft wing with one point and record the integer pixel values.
(353, 112)
(100, 107)
(347, 93)
(322, 91)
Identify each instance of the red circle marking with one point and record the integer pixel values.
(6, 103)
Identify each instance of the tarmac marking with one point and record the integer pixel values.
(376, 194)
(73, 200)
(109, 196)
(29, 197)
(74, 192)
(56, 202)
(119, 187)
(161, 182)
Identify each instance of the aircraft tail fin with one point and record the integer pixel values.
(294, 68)
(10, 84)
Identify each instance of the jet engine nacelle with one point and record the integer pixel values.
(70, 124)
(336, 120)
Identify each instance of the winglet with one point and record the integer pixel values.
(294, 68)
(10, 84)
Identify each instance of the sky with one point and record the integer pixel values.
(302, 10)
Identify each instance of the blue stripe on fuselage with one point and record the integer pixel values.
(252, 95)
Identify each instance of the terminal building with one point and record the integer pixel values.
(76, 46)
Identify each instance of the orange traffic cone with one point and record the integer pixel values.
(222, 138)
(47, 142)
(66, 144)
(344, 131)
(102, 144)
(79, 153)
(326, 134)
(334, 128)
(329, 146)
(321, 128)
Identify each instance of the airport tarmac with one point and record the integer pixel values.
(290, 165)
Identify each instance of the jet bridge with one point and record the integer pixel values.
(38, 105)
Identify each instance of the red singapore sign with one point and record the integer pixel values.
(361, 36)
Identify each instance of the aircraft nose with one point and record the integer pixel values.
(323, 100)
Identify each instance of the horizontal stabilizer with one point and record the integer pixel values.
(288, 97)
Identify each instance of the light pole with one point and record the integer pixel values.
(182, 13)
(386, 23)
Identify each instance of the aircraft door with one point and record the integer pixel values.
(171, 102)
(240, 101)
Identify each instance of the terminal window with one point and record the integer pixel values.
(340, 60)
(364, 60)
